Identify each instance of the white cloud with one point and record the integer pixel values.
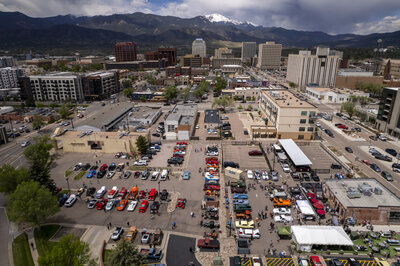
(387, 24)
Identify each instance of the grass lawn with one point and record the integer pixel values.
(68, 173)
(106, 253)
(42, 237)
(21, 251)
(360, 242)
(80, 175)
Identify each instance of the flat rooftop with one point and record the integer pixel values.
(286, 99)
(143, 112)
(183, 113)
(211, 116)
(100, 135)
(379, 195)
(337, 90)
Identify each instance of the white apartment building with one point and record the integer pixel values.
(305, 68)
(333, 95)
(249, 50)
(286, 116)
(199, 47)
(57, 87)
(269, 55)
(9, 77)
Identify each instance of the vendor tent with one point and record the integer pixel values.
(318, 205)
(306, 236)
(284, 231)
(305, 208)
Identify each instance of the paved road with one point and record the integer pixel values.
(180, 245)
(4, 236)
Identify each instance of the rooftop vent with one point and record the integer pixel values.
(378, 191)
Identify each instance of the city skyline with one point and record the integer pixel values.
(361, 17)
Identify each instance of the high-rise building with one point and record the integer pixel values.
(9, 77)
(388, 118)
(125, 51)
(394, 71)
(6, 61)
(249, 50)
(169, 54)
(305, 68)
(190, 60)
(57, 87)
(223, 53)
(269, 55)
(199, 47)
(100, 85)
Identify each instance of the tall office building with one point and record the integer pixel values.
(100, 85)
(199, 47)
(223, 53)
(125, 51)
(269, 55)
(6, 61)
(249, 50)
(305, 68)
(388, 118)
(169, 54)
(9, 77)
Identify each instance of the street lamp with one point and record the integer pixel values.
(159, 186)
(67, 179)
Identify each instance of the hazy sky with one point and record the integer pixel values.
(332, 16)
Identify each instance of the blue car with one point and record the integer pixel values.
(240, 201)
(186, 175)
(375, 167)
(91, 173)
(240, 196)
(391, 152)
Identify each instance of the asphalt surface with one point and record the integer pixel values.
(4, 236)
(180, 245)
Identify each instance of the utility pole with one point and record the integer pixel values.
(12, 129)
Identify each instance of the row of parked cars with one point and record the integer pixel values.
(153, 149)
(178, 154)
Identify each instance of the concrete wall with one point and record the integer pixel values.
(350, 82)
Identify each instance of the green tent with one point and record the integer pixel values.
(284, 231)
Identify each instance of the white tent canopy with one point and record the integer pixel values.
(295, 153)
(306, 236)
(305, 207)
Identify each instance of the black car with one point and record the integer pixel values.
(375, 167)
(151, 151)
(90, 192)
(348, 149)
(227, 134)
(175, 160)
(391, 152)
(164, 195)
(155, 143)
(328, 132)
(94, 167)
(231, 164)
(353, 262)
(314, 176)
(61, 200)
(137, 174)
(86, 167)
(100, 174)
(387, 175)
(335, 262)
(336, 166)
(154, 207)
(383, 157)
(156, 135)
(305, 176)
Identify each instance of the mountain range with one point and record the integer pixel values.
(148, 30)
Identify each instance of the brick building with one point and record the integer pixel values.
(125, 51)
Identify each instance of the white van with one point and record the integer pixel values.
(248, 233)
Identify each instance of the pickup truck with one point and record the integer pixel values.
(208, 243)
(278, 202)
(157, 236)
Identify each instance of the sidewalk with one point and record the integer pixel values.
(32, 243)
(95, 236)
(377, 228)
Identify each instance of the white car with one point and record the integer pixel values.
(100, 193)
(248, 233)
(113, 192)
(250, 174)
(154, 175)
(281, 211)
(110, 204)
(145, 238)
(265, 175)
(283, 218)
(140, 163)
(286, 168)
(70, 201)
(25, 143)
(318, 124)
(110, 174)
(164, 175)
(257, 261)
(132, 206)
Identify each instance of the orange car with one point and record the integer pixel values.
(132, 193)
(122, 204)
(131, 234)
(281, 202)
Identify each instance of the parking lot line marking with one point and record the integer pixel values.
(279, 261)
(246, 262)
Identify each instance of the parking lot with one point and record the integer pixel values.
(189, 189)
(320, 158)
(240, 154)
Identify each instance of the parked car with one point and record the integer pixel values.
(132, 206)
(281, 211)
(387, 175)
(70, 201)
(143, 206)
(127, 174)
(186, 175)
(285, 168)
(375, 167)
(164, 195)
(140, 163)
(250, 174)
(391, 152)
(100, 193)
(274, 175)
(255, 153)
(25, 143)
(336, 166)
(92, 204)
(117, 233)
(113, 192)
(90, 192)
(283, 218)
(348, 149)
(110, 174)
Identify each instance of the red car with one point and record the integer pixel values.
(181, 143)
(142, 194)
(211, 187)
(181, 203)
(255, 152)
(103, 167)
(100, 204)
(365, 161)
(143, 206)
(342, 127)
(122, 192)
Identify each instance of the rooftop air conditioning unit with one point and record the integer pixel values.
(378, 191)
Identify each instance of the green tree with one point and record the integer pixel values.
(224, 101)
(64, 112)
(128, 92)
(150, 79)
(30, 102)
(363, 100)
(170, 93)
(240, 107)
(143, 99)
(37, 122)
(292, 85)
(76, 68)
(185, 93)
(39, 159)
(349, 108)
(125, 254)
(31, 203)
(142, 144)
(250, 107)
(10, 178)
(70, 250)
(54, 105)
(220, 84)
(126, 83)
(204, 86)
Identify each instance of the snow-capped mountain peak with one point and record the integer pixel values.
(218, 18)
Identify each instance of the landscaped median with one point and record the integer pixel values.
(21, 251)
